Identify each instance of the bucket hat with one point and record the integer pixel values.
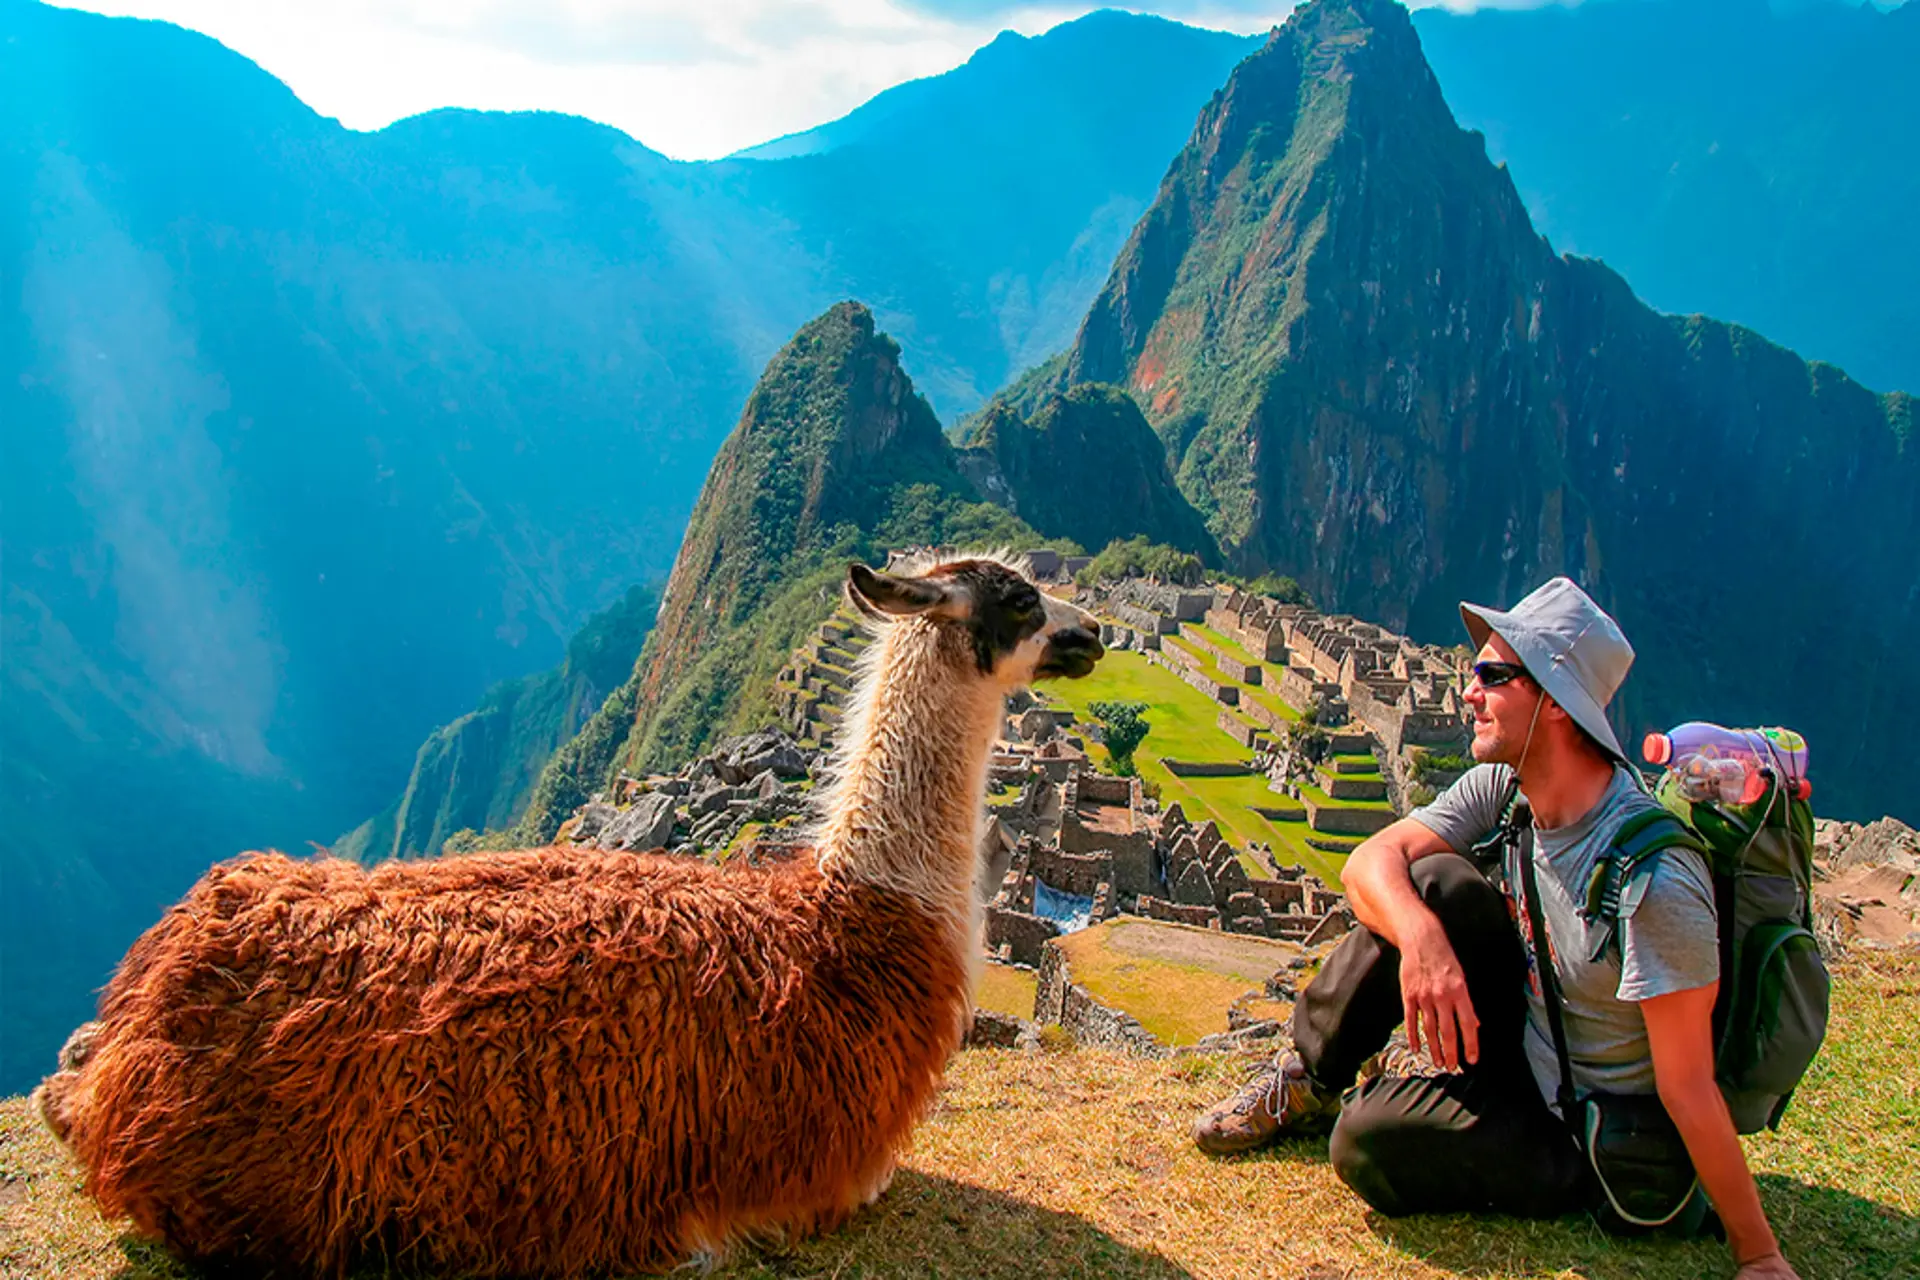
(1569, 645)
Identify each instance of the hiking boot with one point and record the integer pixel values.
(1400, 1059)
(1278, 1102)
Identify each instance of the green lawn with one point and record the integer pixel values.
(1186, 727)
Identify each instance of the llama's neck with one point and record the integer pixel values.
(904, 811)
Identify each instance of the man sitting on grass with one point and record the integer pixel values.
(1442, 952)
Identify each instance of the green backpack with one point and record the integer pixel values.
(1771, 1012)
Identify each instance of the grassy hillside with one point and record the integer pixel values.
(1078, 1164)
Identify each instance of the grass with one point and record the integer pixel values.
(1310, 792)
(1261, 694)
(1005, 989)
(1077, 1164)
(1179, 997)
(1186, 726)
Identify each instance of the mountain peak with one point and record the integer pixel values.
(1370, 372)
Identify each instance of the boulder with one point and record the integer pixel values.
(592, 820)
(711, 800)
(645, 824)
(1845, 845)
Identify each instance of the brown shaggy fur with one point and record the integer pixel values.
(505, 1063)
(569, 1062)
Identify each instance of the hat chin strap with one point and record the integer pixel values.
(1527, 746)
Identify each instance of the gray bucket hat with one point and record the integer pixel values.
(1569, 645)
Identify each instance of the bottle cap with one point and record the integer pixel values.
(1657, 748)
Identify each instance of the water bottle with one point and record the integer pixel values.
(1732, 766)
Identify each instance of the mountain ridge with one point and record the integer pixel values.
(1372, 374)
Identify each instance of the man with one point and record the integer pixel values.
(1441, 950)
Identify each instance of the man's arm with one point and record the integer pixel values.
(1433, 987)
(1680, 1034)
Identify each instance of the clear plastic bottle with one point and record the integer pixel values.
(1731, 765)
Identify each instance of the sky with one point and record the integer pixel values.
(695, 79)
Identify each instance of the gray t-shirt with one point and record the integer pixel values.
(1668, 938)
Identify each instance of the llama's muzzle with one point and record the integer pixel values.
(1071, 652)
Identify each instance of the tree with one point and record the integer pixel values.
(1123, 726)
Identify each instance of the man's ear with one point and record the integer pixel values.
(883, 593)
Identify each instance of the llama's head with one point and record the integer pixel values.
(984, 614)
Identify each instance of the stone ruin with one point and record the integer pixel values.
(1209, 886)
(1084, 839)
(701, 809)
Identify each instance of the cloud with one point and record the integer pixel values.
(692, 78)
(1185, 10)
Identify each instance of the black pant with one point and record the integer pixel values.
(1482, 1139)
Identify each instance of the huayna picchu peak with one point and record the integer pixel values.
(1369, 372)
(835, 457)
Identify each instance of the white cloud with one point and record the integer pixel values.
(692, 78)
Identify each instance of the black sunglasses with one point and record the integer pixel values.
(1492, 675)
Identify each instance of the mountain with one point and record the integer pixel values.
(835, 458)
(313, 436)
(477, 773)
(1371, 373)
(1082, 464)
(1744, 159)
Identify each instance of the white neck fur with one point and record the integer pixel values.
(904, 808)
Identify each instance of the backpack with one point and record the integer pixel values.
(1770, 1015)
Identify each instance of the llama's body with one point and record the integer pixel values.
(507, 1062)
(567, 1062)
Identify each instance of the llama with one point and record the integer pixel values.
(569, 1062)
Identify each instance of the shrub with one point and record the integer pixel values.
(1138, 558)
(1124, 725)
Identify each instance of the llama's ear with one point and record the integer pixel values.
(875, 593)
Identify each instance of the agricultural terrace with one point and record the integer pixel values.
(1186, 727)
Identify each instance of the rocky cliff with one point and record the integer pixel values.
(1371, 373)
(1082, 463)
(835, 458)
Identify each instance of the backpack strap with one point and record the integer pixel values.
(1488, 854)
(1549, 982)
(1620, 876)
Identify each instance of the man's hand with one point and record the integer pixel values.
(1771, 1267)
(1433, 990)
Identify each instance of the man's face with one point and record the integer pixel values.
(1501, 714)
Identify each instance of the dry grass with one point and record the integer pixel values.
(1077, 1164)
(1181, 993)
(1005, 989)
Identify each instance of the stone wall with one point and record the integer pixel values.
(1101, 788)
(1250, 736)
(1058, 999)
(1022, 934)
(1234, 668)
(1161, 909)
(1079, 874)
(1143, 620)
(1205, 768)
(1132, 861)
(1335, 820)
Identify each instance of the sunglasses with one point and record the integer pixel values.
(1492, 675)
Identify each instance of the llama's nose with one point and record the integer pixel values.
(1080, 639)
